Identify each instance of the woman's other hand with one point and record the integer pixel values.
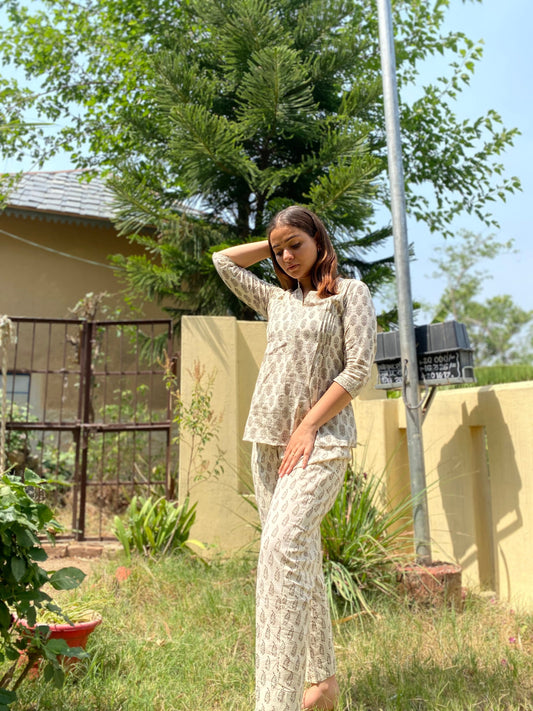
(302, 440)
(300, 446)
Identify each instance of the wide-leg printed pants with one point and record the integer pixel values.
(294, 639)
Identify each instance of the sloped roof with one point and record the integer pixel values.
(61, 193)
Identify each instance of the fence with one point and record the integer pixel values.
(89, 410)
(478, 446)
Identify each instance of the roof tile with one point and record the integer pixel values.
(63, 192)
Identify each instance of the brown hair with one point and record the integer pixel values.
(324, 272)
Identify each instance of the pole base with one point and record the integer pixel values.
(434, 584)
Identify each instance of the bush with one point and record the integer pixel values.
(21, 584)
(363, 539)
(494, 374)
(154, 527)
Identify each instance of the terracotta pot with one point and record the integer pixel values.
(432, 584)
(75, 635)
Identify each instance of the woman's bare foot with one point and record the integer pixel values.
(322, 696)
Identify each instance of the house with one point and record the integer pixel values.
(56, 234)
(65, 375)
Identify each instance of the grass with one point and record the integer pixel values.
(178, 635)
(481, 658)
(493, 374)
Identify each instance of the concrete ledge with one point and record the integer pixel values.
(81, 549)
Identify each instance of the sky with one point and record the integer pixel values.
(502, 81)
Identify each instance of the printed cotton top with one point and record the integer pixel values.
(311, 343)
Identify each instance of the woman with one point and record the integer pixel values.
(320, 348)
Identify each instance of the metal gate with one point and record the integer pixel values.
(88, 409)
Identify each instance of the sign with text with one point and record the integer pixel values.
(444, 356)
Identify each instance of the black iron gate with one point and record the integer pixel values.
(88, 409)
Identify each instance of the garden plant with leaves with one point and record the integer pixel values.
(364, 537)
(22, 520)
(197, 424)
(155, 527)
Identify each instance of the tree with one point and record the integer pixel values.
(239, 107)
(85, 66)
(495, 325)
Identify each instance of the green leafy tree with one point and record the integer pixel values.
(495, 325)
(238, 107)
(85, 69)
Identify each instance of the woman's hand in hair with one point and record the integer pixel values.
(244, 255)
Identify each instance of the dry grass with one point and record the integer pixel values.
(179, 635)
(481, 658)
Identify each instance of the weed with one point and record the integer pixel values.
(178, 635)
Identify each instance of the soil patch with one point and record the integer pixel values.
(84, 555)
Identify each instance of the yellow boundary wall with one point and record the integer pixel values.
(478, 445)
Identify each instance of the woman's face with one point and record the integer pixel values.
(295, 252)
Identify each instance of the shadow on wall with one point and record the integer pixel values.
(480, 483)
(209, 330)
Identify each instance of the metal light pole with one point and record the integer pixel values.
(403, 283)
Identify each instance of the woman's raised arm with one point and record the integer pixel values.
(244, 255)
(232, 266)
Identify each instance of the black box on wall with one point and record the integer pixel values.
(445, 356)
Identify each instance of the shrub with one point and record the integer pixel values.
(155, 527)
(21, 584)
(494, 374)
(363, 539)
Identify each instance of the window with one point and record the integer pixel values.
(18, 388)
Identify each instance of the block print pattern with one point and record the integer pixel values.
(294, 639)
(311, 342)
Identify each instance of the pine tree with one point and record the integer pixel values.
(239, 107)
(253, 113)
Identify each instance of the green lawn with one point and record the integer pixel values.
(178, 635)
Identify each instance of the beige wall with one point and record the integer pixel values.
(231, 351)
(38, 283)
(478, 447)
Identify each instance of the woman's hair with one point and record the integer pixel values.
(324, 272)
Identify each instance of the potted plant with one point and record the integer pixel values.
(22, 597)
(73, 622)
(71, 626)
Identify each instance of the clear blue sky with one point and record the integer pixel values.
(502, 82)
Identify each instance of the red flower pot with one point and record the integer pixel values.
(75, 635)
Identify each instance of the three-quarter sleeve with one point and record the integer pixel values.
(246, 286)
(359, 325)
